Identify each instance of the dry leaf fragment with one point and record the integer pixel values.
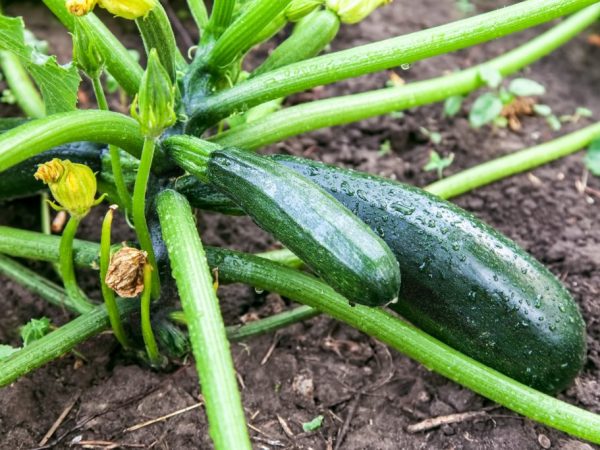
(520, 106)
(125, 273)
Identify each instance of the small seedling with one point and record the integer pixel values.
(592, 158)
(313, 425)
(436, 162)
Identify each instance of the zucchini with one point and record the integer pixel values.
(462, 281)
(310, 222)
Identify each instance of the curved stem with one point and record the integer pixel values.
(115, 158)
(207, 331)
(341, 110)
(17, 78)
(234, 40)
(139, 211)
(107, 293)
(379, 56)
(67, 271)
(147, 333)
(37, 136)
(119, 62)
(508, 165)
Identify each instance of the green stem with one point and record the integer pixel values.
(17, 78)
(147, 333)
(199, 13)
(39, 135)
(59, 342)
(220, 18)
(340, 110)
(67, 271)
(115, 157)
(508, 165)
(379, 56)
(37, 284)
(310, 36)
(107, 293)
(233, 42)
(157, 33)
(206, 329)
(139, 211)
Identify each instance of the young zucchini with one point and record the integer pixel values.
(306, 219)
(462, 281)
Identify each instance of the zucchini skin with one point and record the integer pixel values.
(18, 181)
(464, 282)
(310, 222)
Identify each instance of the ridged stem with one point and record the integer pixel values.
(220, 18)
(199, 13)
(341, 110)
(227, 425)
(25, 92)
(378, 56)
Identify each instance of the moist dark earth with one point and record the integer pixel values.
(366, 393)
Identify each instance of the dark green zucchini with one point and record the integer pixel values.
(462, 281)
(309, 221)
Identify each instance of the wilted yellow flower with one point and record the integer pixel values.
(80, 7)
(72, 185)
(353, 11)
(128, 9)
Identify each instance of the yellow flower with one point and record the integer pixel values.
(128, 9)
(353, 11)
(72, 185)
(80, 7)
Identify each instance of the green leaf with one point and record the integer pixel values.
(313, 425)
(523, 87)
(542, 110)
(35, 329)
(553, 122)
(485, 109)
(490, 76)
(436, 162)
(7, 350)
(58, 84)
(452, 105)
(583, 112)
(385, 148)
(592, 158)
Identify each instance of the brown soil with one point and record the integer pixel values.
(321, 367)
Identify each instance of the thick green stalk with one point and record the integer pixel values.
(220, 18)
(67, 271)
(139, 211)
(59, 342)
(39, 135)
(508, 165)
(310, 36)
(107, 293)
(234, 41)
(157, 33)
(378, 56)
(206, 329)
(25, 92)
(115, 157)
(147, 333)
(119, 62)
(340, 110)
(35, 283)
(199, 13)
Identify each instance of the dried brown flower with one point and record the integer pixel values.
(125, 273)
(519, 107)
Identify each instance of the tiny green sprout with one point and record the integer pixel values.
(465, 6)
(73, 186)
(452, 105)
(154, 106)
(486, 108)
(524, 87)
(397, 114)
(353, 11)
(583, 112)
(313, 425)
(434, 137)
(553, 122)
(385, 148)
(542, 110)
(592, 158)
(436, 162)
(8, 97)
(35, 329)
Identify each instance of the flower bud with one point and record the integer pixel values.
(353, 11)
(86, 54)
(125, 274)
(72, 185)
(128, 9)
(154, 106)
(300, 8)
(80, 7)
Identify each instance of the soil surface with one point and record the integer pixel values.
(366, 393)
